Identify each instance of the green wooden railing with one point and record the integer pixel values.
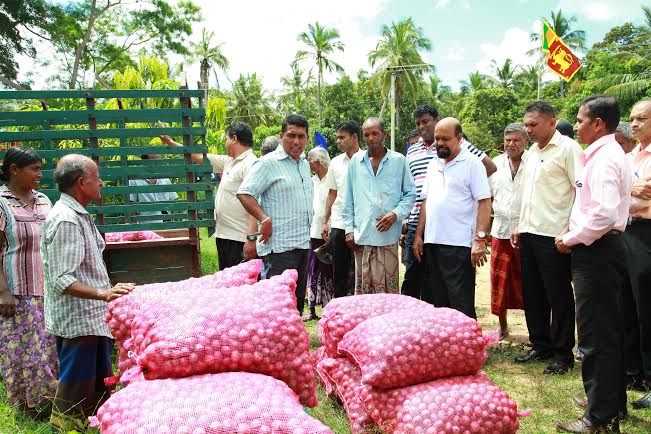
(115, 139)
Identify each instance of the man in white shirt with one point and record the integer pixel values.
(234, 228)
(550, 175)
(454, 219)
(333, 228)
(506, 189)
(151, 197)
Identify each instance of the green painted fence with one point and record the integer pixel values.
(115, 139)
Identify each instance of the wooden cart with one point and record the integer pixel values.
(115, 139)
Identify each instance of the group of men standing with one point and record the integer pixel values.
(570, 215)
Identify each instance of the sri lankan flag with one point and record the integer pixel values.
(560, 58)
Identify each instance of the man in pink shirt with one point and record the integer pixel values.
(594, 238)
(637, 297)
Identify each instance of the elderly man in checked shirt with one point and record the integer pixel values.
(281, 181)
(77, 288)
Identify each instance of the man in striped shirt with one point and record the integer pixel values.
(77, 288)
(282, 182)
(418, 157)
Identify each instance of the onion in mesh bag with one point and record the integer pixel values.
(253, 328)
(233, 403)
(341, 315)
(414, 346)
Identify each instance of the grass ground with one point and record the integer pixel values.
(549, 397)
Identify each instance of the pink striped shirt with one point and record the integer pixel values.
(603, 193)
(20, 252)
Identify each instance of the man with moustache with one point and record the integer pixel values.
(595, 240)
(637, 238)
(550, 174)
(506, 189)
(380, 192)
(333, 230)
(454, 219)
(419, 156)
(282, 182)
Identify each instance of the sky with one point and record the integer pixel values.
(261, 35)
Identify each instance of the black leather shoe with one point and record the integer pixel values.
(558, 368)
(644, 402)
(533, 355)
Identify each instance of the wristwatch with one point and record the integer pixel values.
(481, 237)
(251, 237)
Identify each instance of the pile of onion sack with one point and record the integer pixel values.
(404, 366)
(220, 354)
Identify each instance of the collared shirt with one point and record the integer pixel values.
(320, 196)
(640, 161)
(20, 252)
(603, 193)
(452, 191)
(370, 195)
(231, 219)
(507, 196)
(285, 192)
(72, 249)
(550, 175)
(158, 196)
(419, 156)
(336, 180)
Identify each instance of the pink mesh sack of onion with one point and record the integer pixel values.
(317, 356)
(408, 347)
(346, 379)
(253, 328)
(470, 404)
(236, 402)
(116, 237)
(341, 315)
(123, 310)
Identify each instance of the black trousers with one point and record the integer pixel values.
(599, 272)
(547, 291)
(275, 263)
(343, 266)
(637, 300)
(414, 279)
(229, 252)
(449, 279)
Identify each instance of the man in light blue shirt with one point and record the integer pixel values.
(282, 182)
(380, 193)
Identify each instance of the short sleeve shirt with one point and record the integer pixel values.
(152, 197)
(452, 191)
(21, 253)
(336, 180)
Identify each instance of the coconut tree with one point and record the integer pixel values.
(476, 80)
(295, 90)
(208, 56)
(249, 101)
(320, 42)
(398, 53)
(505, 74)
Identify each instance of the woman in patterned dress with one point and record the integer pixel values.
(28, 359)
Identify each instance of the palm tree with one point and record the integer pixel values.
(646, 10)
(476, 81)
(398, 54)
(527, 79)
(295, 90)
(505, 74)
(208, 56)
(563, 27)
(249, 102)
(321, 42)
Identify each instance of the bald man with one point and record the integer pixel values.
(380, 193)
(77, 289)
(454, 220)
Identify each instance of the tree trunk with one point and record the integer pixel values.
(318, 97)
(82, 46)
(203, 76)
